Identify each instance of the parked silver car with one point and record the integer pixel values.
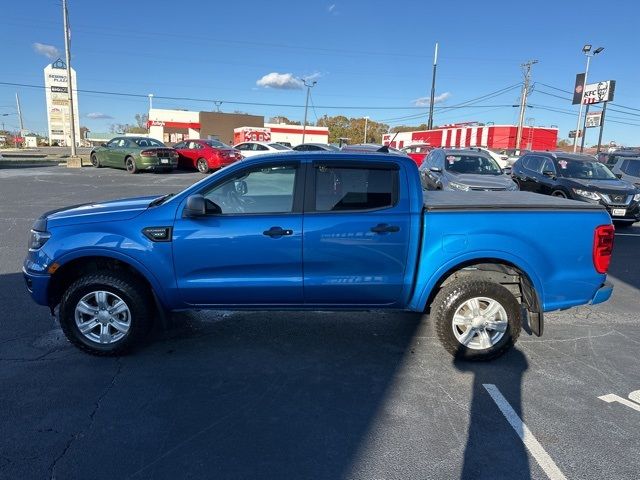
(627, 168)
(463, 169)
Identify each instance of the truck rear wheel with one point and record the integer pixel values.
(476, 319)
(105, 313)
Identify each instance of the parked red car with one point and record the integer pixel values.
(418, 152)
(205, 155)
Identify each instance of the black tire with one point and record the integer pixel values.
(136, 298)
(94, 160)
(202, 165)
(452, 296)
(559, 193)
(130, 165)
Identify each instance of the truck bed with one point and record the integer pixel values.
(446, 200)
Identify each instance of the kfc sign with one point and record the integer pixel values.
(599, 92)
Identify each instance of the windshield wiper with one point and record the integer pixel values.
(160, 200)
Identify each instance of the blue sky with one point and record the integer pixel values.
(363, 54)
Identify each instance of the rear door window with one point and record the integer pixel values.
(340, 188)
(631, 167)
(532, 163)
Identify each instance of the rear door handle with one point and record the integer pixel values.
(276, 232)
(384, 228)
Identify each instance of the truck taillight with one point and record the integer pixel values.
(148, 153)
(603, 247)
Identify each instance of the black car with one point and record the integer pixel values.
(579, 177)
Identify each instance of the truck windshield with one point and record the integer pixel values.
(584, 170)
(474, 164)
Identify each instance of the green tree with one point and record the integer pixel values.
(564, 143)
(353, 129)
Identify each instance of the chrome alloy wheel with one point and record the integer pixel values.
(102, 317)
(479, 323)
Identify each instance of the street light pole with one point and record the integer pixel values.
(587, 51)
(433, 88)
(67, 51)
(366, 124)
(150, 101)
(306, 106)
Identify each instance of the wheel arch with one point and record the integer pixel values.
(522, 282)
(73, 266)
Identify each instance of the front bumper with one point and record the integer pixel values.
(38, 286)
(602, 294)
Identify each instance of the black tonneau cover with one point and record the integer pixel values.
(445, 200)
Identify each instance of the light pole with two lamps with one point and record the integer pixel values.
(587, 51)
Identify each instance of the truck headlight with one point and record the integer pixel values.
(458, 186)
(636, 197)
(587, 194)
(37, 239)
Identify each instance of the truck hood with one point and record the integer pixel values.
(114, 210)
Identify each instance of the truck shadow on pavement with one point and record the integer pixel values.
(494, 450)
(238, 395)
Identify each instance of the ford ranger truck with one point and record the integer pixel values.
(320, 231)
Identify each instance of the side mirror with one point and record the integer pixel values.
(619, 175)
(506, 170)
(241, 187)
(549, 173)
(196, 207)
(436, 169)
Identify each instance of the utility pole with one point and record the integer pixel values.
(19, 114)
(67, 51)
(526, 68)
(433, 88)
(306, 106)
(366, 123)
(150, 101)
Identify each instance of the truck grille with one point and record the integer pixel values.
(617, 198)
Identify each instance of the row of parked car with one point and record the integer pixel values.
(612, 180)
(559, 174)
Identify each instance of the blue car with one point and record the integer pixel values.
(325, 230)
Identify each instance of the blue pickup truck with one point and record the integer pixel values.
(320, 231)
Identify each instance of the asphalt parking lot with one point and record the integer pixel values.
(306, 395)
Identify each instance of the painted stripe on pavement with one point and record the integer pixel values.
(542, 457)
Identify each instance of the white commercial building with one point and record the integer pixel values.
(58, 105)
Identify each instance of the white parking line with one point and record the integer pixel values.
(542, 457)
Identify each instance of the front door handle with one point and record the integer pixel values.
(384, 228)
(277, 232)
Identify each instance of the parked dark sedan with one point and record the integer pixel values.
(463, 169)
(580, 177)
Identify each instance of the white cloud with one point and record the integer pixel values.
(331, 8)
(424, 101)
(48, 51)
(283, 81)
(98, 116)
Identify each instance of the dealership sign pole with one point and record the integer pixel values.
(67, 47)
(604, 110)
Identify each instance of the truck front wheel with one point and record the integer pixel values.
(105, 313)
(476, 319)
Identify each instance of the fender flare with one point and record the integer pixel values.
(157, 288)
(420, 300)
